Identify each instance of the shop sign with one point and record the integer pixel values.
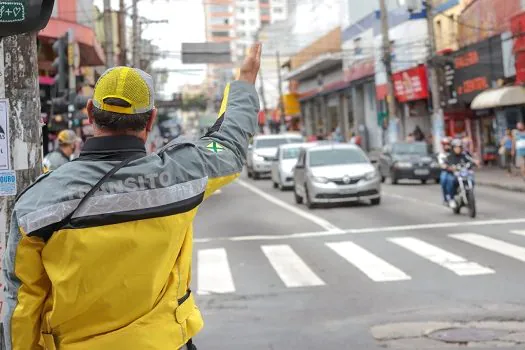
(476, 67)
(411, 84)
(291, 104)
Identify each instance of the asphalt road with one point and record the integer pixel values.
(271, 274)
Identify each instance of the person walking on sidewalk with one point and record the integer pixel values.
(99, 251)
(506, 146)
(519, 148)
(67, 141)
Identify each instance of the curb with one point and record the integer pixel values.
(513, 188)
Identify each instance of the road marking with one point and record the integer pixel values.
(495, 245)
(452, 262)
(518, 232)
(339, 232)
(414, 200)
(374, 267)
(292, 270)
(308, 216)
(214, 274)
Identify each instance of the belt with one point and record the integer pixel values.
(182, 312)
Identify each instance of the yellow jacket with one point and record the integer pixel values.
(118, 275)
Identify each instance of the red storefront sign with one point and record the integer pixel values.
(411, 84)
(518, 32)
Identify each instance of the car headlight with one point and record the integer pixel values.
(319, 179)
(403, 165)
(371, 175)
(434, 165)
(258, 158)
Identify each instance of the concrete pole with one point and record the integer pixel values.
(387, 60)
(135, 34)
(123, 59)
(19, 86)
(108, 35)
(437, 111)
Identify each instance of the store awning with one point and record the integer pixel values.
(314, 67)
(501, 97)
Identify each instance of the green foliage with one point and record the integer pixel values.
(192, 103)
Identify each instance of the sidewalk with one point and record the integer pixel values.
(496, 177)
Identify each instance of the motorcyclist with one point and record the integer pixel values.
(442, 157)
(457, 157)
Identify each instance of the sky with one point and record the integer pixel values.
(186, 24)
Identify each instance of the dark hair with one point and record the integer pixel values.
(120, 122)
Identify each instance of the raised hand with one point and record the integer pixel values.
(250, 67)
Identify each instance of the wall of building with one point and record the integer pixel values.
(446, 23)
(330, 42)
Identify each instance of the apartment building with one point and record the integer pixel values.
(237, 22)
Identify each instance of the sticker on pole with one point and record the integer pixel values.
(7, 183)
(12, 11)
(4, 135)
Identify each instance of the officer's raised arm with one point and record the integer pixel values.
(224, 147)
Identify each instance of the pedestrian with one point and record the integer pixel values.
(519, 148)
(67, 141)
(410, 138)
(506, 149)
(112, 270)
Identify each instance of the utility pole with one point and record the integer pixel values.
(122, 34)
(437, 111)
(135, 60)
(261, 79)
(108, 34)
(19, 86)
(280, 86)
(387, 60)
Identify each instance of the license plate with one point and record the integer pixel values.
(421, 171)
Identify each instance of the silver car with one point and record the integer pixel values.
(283, 164)
(335, 173)
(262, 152)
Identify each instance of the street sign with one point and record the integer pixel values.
(12, 11)
(199, 53)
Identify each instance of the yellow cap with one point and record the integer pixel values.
(67, 137)
(128, 84)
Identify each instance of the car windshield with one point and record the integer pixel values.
(336, 157)
(291, 153)
(419, 148)
(276, 142)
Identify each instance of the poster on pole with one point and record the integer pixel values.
(4, 135)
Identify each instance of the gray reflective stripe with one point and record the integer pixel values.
(113, 203)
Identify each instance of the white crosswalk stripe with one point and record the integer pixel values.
(374, 267)
(452, 262)
(495, 245)
(213, 272)
(214, 275)
(292, 270)
(518, 232)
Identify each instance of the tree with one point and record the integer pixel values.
(197, 102)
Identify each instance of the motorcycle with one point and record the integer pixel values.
(465, 191)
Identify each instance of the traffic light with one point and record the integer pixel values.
(24, 16)
(61, 64)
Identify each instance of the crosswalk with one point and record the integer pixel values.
(214, 273)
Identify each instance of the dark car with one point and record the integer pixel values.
(410, 161)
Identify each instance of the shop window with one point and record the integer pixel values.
(358, 50)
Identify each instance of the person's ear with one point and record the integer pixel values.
(89, 110)
(151, 120)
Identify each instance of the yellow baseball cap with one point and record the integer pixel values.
(128, 84)
(67, 137)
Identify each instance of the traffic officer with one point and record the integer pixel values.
(67, 141)
(99, 251)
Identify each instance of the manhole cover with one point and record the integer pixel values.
(466, 335)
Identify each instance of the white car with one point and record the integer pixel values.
(335, 173)
(283, 164)
(263, 150)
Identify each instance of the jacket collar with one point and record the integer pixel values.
(112, 148)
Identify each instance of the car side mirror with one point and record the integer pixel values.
(298, 166)
(24, 16)
(374, 161)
